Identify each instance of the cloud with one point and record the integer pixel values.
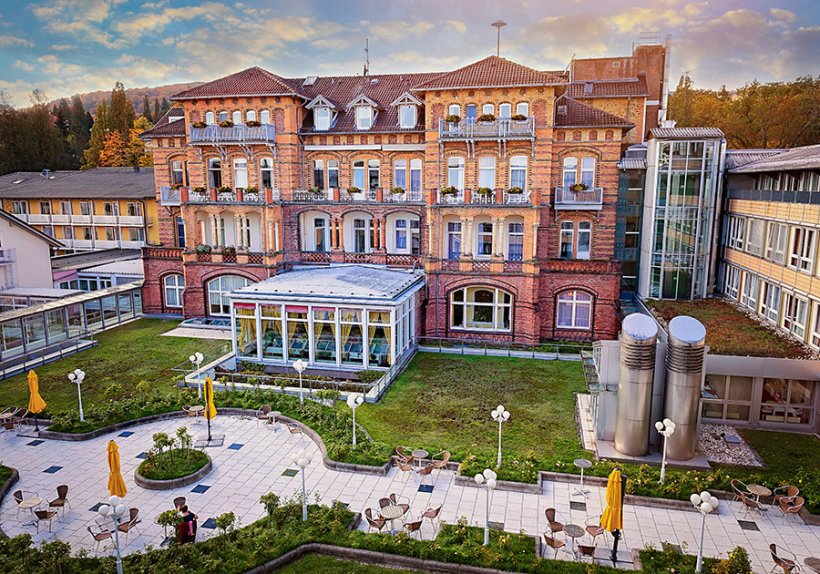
(396, 30)
(26, 67)
(63, 47)
(8, 41)
(82, 19)
(151, 22)
(456, 26)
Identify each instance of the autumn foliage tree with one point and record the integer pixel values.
(115, 134)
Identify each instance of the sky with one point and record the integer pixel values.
(63, 47)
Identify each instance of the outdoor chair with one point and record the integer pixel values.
(20, 495)
(442, 463)
(555, 526)
(751, 505)
(594, 529)
(43, 516)
(179, 502)
(404, 467)
(8, 427)
(377, 523)
(739, 489)
(554, 544)
(426, 471)
(404, 454)
(792, 507)
(133, 520)
(785, 494)
(262, 414)
(186, 409)
(384, 502)
(431, 514)
(411, 527)
(62, 499)
(99, 537)
(788, 565)
(405, 506)
(19, 416)
(585, 550)
(293, 428)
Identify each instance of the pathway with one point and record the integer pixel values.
(255, 460)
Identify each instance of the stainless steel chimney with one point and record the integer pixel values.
(639, 336)
(684, 374)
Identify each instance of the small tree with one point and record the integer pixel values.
(226, 522)
(270, 501)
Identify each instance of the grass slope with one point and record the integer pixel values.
(327, 565)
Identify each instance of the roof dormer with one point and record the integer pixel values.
(366, 111)
(324, 112)
(408, 110)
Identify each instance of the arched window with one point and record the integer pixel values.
(250, 116)
(588, 171)
(236, 117)
(574, 310)
(487, 109)
(266, 172)
(209, 118)
(240, 173)
(215, 173)
(172, 290)
(455, 172)
(454, 110)
(522, 108)
(223, 116)
(177, 172)
(218, 290)
(264, 116)
(480, 308)
(515, 240)
(505, 111)
(570, 171)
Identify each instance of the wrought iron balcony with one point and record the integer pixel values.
(238, 134)
(470, 128)
(473, 197)
(586, 199)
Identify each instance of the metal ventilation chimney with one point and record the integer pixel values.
(684, 374)
(639, 335)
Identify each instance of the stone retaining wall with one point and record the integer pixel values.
(152, 484)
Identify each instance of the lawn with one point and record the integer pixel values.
(443, 402)
(729, 331)
(123, 357)
(327, 565)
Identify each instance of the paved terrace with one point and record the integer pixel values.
(254, 460)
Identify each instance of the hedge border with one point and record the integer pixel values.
(152, 484)
(5, 488)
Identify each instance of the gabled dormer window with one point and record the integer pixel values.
(407, 116)
(321, 118)
(364, 117)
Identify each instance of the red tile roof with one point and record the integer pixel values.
(172, 124)
(579, 115)
(608, 88)
(251, 82)
(492, 71)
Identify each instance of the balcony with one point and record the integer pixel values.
(168, 196)
(239, 134)
(403, 260)
(498, 129)
(405, 197)
(307, 196)
(315, 257)
(587, 199)
(497, 197)
(368, 196)
(8, 255)
(162, 253)
(232, 196)
(38, 218)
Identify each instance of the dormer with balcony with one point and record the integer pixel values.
(365, 111)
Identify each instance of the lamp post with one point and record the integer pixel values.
(666, 428)
(487, 480)
(115, 510)
(354, 401)
(705, 503)
(302, 460)
(77, 377)
(300, 366)
(196, 359)
(500, 415)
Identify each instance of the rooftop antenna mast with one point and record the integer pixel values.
(366, 56)
(498, 24)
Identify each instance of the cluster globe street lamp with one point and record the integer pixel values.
(77, 376)
(354, 401)
(500, 415)
(705, 503)
(302, 459)
(196, 359)
(300, 366)
(115, 510)
(487, 479)
(666, 428)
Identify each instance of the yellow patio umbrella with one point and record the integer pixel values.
(116, 485)
(210, 409)
(36, 404)
(613, 519)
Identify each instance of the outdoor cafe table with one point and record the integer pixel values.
(758, 490)
(272, 419)
(813, 564)
(573, 531)
(392, 512)
(6, 416)
(30, 504)
(420, 454)
(197, 409)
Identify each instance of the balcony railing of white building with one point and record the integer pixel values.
(470, 128)
(448, 196)
(569, 198)
(94, 244)
(71, 219)
(239, 134)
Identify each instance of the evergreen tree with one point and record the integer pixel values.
(97, 139)
(79, 130)
(146, 109)
(120, 110)
(157, 114)
(166, 105)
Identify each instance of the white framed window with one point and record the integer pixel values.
(455, 172)
(736, 232)
(453, 240)
(584, 247)
(751, 288)
(333, 174)
(45, 207)
(400, 173)
(65, 208)
(250, 116)
(373, 174)
(795, 314)
(320, 234)
(522, 108)
(574, 310)
(515, 241)
(136, 234)
(588, 171)
(361, 243)
(454, 110)
(486, 171)
(566, 240)
(570, 171)
(319, 174)
(219, 289)
(757, 231)
(240, 173)
(770, 302)
(480, 308)
(415, 175)
(133, 209)
(68, 232)
(487, 109)
(801, 254)
(173, 286)
(236, 117)
(223, 116)
(214, 173)
(505, 111)
(264, 117)
(814, 340)
(732, 282)
(19, 206)
(364, 117)
(777, 238)
(484, 239)
(177, 173)
(358, 174)
(401, 235)
(209, 118)
(518, 171)
(407, 116)
(266, 172)
(321, 118)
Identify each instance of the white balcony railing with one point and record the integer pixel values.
(132, 220)
(567, 198)
(451, 198)
(241, 133)
(105, 219)
(471, 128)
(405, 197)
(39, 218)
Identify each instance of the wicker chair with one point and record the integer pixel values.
(99, 537)
(751, 505)
(384, 502)
(788, 565)
(441, 464)
(411, 527)
(62, 498)
(794, 506)
(20, 495)
(585, 550)
(44, 516)
(739, 489)
(377, 523)
(133, 520)
(785, 494)
(403, 467)
(431, 514)
(404, 455)
(405, 506)
(594, 529)
(426, 471)
(555, 526)
(554, 544)
(262, 414)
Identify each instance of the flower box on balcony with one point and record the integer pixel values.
(452, 119)
(519, 118)
(353, 190)
(515, 191)
(579, 187)
(485, 191)
(198, 189)
(226, 124)
(486, 118)
(253, 124)
(396, 190)
(199, 124)
(452, 190)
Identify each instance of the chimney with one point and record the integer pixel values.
(639, 337)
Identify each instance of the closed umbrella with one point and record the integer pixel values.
(116, 485)
(613, 517)
(210, 409)
(36, 404)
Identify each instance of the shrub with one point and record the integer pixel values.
(369, 376)
(270, 501)
(226, 522)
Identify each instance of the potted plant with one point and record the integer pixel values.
(486, 118)
(252, 189)
(353, 189)
(199, 124)
(451, 190)
(229, 250)
(314, 190)
(487, 191)
(396, 190)
(515, 191)
(519, 118)
(579, 187)
(226, 124)
(198, 189)
(224, 189)
(203, 249)
(177, 186)
(253, 124)
(452, 119)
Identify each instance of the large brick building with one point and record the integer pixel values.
(498, 180)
